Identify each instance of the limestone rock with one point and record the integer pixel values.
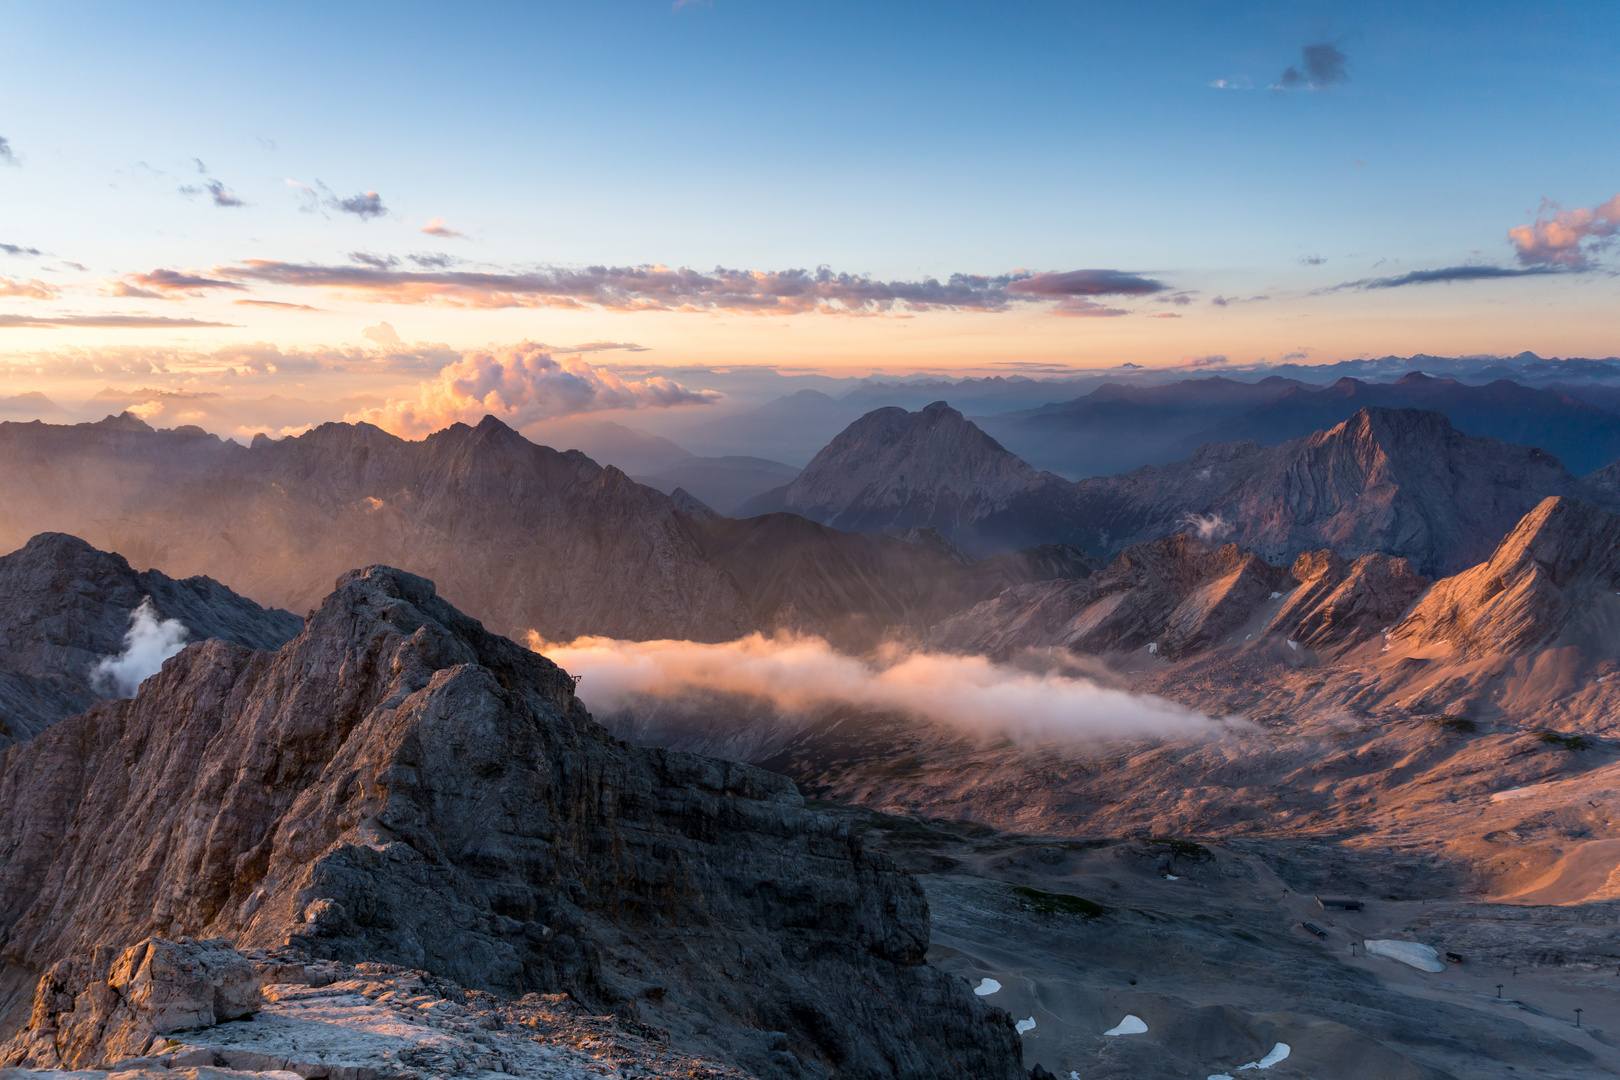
(105, 1006)
(64, 605)
(399, 785)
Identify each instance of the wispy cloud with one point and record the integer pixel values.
(367, 204)
(1566, 238)
(317, 199)
(521, 384)
(33, 289)
(120, 322)
(19, 249)
(437, 227)
(163, 284)
(1445, 275)
(1323, 65)
(661, 288)
(8, 156)
(275, 304)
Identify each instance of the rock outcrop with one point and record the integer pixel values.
(64, 606)
(1337, 602)
(1553, 579)
(399, 785)
(525, 537)
(106, 1006)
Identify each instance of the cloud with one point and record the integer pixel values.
(1081, 308)
(599, 346)
(1323, 64)
(521, 384)
(179, 282)
(1445, 275)
(376, 262)
(1567, 238)
(1227, 301)
(382, 334)
(8, 156)
(802, 675)
(275, 304)
(1208, 528)
(433, 260)
(222, 195)
(367, 204)
(661, 288)
(1085, 283)
(1231, 84)
(1212, 360)
(147, 644)
(1312, 260)
(120, 322)
(437, 227)
(18, 249)
(33, 289)
(1180, 299)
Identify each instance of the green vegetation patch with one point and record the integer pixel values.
(1460, 724)
(1564, 742)
(1056, 903)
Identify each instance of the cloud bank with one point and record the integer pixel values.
(795, 674)
(1567, 238)
(662, 288)
(519, 385)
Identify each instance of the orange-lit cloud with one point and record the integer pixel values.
(437, 227)
(1567, 238)
(32, 289)
(661, 288)
(163, 284)
(521, 384)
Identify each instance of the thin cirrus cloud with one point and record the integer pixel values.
(1445, 275)
(661, 288)
(520, 384)
(364, 205)
(8, 156)
(1566, 238)
(19, 249)
(113, 322)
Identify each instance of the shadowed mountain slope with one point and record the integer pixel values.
(1581, 435)
(64, 606)
(527, 537)
(399, 785)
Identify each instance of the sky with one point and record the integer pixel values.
(427, 204)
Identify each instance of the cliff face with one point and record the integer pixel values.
(399, 785)
(1552, 580)
(65, 605)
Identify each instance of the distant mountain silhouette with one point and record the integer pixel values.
(1581, 435)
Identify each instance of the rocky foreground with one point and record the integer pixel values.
(399, 786)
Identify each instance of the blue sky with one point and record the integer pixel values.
(894, 140)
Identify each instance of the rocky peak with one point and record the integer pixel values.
(397, 784)
(65, 606)
(1552, 578)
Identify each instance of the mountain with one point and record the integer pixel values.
(1553, 581)
(399, 786)
(1178, 596)
(65, 607)
(1581, 435)
(525, 536)
(1119, 426)
(725, 483)
(1403, 483)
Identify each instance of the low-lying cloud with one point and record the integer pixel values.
(801, 675)
(1321, 65)
(1567, 238)
(519, 385)
(662, 288)
(148, 643)
(1207, 527)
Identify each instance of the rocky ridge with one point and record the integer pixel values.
(524, 536)
(398, 785)
(65, 605)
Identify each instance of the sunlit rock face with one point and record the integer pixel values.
(399, 785)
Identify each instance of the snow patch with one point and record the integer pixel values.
(1131, 1025)
(1409, 953)
(1278, 1053)
(1171, 877)
(986, 987)
(1292, 644)
(1025, 1025)
(1512, 793)
(1153, 648)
